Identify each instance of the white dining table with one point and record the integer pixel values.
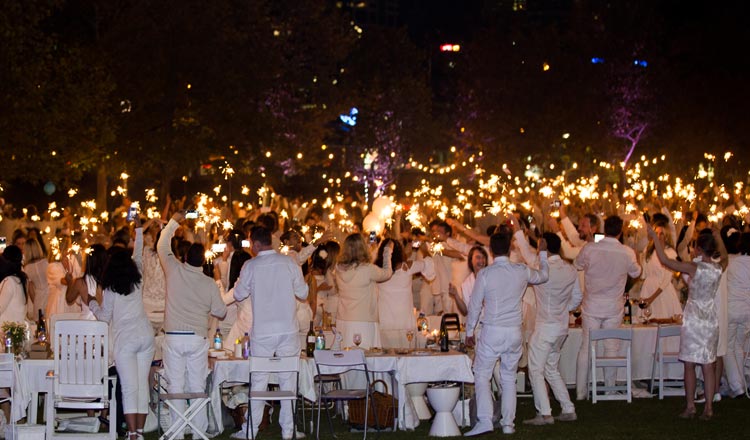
(31, 379)
(411, 368)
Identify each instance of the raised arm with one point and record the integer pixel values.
(164, 247)
(687, 267)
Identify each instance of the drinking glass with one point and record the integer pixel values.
(357, 339)
(647, 313)
(409, 337)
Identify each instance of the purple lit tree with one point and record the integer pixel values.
(630, 107)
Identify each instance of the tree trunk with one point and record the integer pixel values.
(101, 188)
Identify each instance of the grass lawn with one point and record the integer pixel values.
(641, 420)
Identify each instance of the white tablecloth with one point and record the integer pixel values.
(644, 343)
(31, 379)
(452, 366)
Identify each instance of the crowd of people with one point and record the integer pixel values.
(165, 286)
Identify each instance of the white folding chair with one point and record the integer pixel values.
(666, 387)
(268, 365)
(611, 392)
(54, 319)
(7, 380)
(198, 402)
(81, 374)
(337, 362)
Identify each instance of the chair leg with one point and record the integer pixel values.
(330, 421)
(249, 421)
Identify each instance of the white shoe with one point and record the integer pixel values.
(242, 434)
(509, 430)
(479, 429)
(289, 436)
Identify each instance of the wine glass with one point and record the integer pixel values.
(357, 339)
(409, 337)
(647, 313)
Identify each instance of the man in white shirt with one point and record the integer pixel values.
(606, 266)
(191, 297)
(273, 282)
(448, 262)
(554, 299)
(499, 290)
(575, 238)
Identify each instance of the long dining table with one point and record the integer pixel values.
(416, 366)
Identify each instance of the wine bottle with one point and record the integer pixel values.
(310, 341)
(41, 328)
(628, 316)
(443, 340)
(246, 346)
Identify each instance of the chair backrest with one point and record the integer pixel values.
(625, 334)
(53, 319)
(337, 362)
(7, 365)
(81, 358)
(666, 331)
(286, 364)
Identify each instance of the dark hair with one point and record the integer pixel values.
(397, 256)
(706, 242)
(261, 234)
(121, 237)
(96, 261)
(14, 257)
(500, 243)
(701, 219)
(121, 274)
(473, 251)
(553, 243)
(183, 246)
(659, 217)
(443, 224)
(268, 221)
(594, 222)
(196, 255)
(235, 237)
(730, 241)
(743, 248)
(612, 226)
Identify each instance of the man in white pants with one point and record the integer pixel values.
(499, 290)
(560, 294)
(606, 266)
(273, 282)
(191, 297)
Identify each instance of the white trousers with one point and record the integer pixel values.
(133, 358)
(495, 343)
(281, 345)
(611, 348)
(186, 369)
(544, 361)
(737, 336)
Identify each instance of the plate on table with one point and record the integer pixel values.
(421, 353)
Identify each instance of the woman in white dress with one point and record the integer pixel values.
(35, 266)
(657, 290)
(477, 260)
(321, 270)
(357, 278)
(395, 300)
(13, 295)
(154, 280)
(122, 307)
(91, 281)
(62, 270)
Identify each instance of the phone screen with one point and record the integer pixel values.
(373, 236)
(3, 243)
(191, 215)
(132, 212)
(245, 243)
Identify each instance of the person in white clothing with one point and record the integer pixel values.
(273, 282)
(476, 260)
(394, 295)
(738, 300)
(122, 307)
(606, 266)
(498, 292)
(657, 291)
(13, 293)
(35, 266)
(554, 299)
(191, 297)
(90, 283)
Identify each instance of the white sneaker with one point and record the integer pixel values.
(479, 429)
(289, 436)
(509, 430)
(242, 434)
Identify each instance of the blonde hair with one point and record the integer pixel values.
(33, 251)
(354, 251)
